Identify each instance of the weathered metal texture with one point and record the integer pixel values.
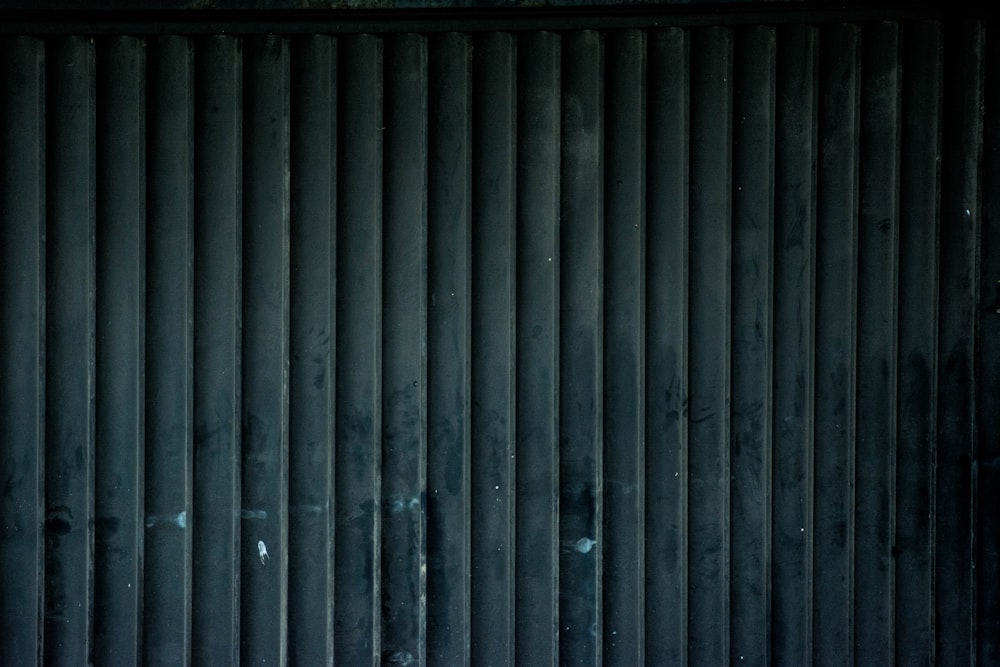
(639, 346)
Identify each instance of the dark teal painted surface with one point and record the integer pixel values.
(634, 346)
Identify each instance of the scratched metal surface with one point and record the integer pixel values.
(631, 346)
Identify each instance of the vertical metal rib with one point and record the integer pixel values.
(312, 331)
(959, 302)
(493, 349)
(22, 350)
(917, 312)
(793, 344)
(580, 314)
(357, 589)
(987, 455)
(753, 195)
(404, 353)
(537, 374)
(166, 618)
(449, 400)
(877, 240)
(667, 326)
(835, 348)
(69, 350)
(217, 340)
(263, 544)
(709, 345)
(624, 352)
(120, 388)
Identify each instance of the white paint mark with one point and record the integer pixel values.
(179, 520)
(585, 544)
(253, 514)
(398, 504)
(262, 551)
(401, 658)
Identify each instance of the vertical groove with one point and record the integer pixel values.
(449, 349)
(537, 375)
(357, 588)
(22, 352)
(752, 305)
(959, 303)
(404, 353)
(263, 544)
(624, 352)
(70, 213)
(217, 341)
(667, 233)
(581, 288)
(119, 426)
(709, 345)
(878, 220)
(169, 437)
(835, 322)
(493, 349)
(312, 328)
(793, 345)
(920, 183)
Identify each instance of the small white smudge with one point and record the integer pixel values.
(179, 520)
(398, 504)
(585, 544)
(401, 658)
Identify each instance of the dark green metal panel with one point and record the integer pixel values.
(653, 345)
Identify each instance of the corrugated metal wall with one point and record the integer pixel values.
(665, 346)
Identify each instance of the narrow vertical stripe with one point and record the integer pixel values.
(312, 349)
(169, 370)
(667, 333)
(22, 336)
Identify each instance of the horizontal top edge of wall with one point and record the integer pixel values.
(363, 16)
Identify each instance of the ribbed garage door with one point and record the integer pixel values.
(666, 345)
